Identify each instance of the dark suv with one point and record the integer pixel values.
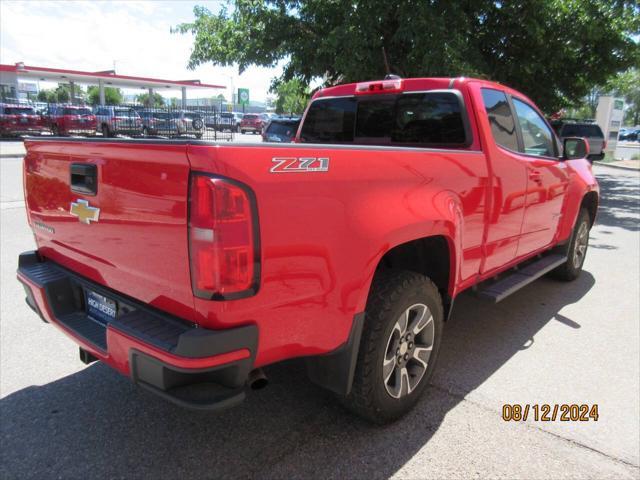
(590, 131)
(281, 130)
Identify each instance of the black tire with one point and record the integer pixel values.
(576, 249)
(55, 131)
(145, 132)
(105, 131)
(392, 293)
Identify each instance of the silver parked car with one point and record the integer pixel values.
(172, 123)
(588, 130)
(112, 121)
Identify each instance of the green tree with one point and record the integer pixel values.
(48, 96)
(157, 101)
(112, 96)
(553, 50)
(293, 96)
(627, 85)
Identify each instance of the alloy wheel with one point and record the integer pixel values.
(408, 350)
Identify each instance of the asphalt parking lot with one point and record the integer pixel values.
(549, 343)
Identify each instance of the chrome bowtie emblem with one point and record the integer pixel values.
(84, 212)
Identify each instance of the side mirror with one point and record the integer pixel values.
(575, 148)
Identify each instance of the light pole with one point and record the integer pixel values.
(233, 94)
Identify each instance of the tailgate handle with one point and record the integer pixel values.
(84, 178)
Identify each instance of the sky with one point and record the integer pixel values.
(134, 35)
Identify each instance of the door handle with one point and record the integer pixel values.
(535, 175)
(84, 178)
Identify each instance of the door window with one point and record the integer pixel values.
(536, 134)
(503, 126)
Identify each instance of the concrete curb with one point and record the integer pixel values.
(619, 167)
(12, 155)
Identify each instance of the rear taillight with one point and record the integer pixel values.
(604, 145)
(223, 239)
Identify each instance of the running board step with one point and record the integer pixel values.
(504, 287)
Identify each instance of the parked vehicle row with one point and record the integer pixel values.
(112, 121)
(629, 135)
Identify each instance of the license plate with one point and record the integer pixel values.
(101, 308)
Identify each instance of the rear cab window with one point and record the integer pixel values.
(411, 119)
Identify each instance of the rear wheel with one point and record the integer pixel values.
(576, 250)
(105, 131)
(55, 130)
(399, 346)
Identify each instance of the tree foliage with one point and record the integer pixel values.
(553, 50)
(293, 96)
(112, 96)
(61, 94)
(156, 101)
(627, 85)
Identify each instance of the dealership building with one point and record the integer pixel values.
(18, 80)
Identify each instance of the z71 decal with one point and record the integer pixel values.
(299, 165)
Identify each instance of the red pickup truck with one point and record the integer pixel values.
(188, 265)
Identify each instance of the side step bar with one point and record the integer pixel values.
(501, 289)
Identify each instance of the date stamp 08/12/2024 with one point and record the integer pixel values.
(544, 412)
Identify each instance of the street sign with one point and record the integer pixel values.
(243, 96)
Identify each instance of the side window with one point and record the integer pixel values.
(536, 135)
(503, 127)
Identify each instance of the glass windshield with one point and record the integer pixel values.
(121, 112)
(282, 129)
(76, 111)
(19, 111)
(577, 130)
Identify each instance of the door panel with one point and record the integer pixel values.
(547, 179)
(509, 180)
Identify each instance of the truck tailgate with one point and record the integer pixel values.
(136, 242)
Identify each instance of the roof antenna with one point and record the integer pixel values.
(389, 75)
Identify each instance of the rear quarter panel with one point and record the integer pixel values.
(324, 233)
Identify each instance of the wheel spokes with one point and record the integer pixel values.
(388, 368)
(421, 356)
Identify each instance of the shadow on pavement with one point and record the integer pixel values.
(95, 423)
(620, 206)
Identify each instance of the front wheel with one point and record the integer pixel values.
(576, 250)
(399, 346)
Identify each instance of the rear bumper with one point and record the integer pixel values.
(193, 367)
